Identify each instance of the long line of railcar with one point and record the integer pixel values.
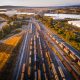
(73, 54)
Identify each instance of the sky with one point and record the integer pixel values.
(39, 2)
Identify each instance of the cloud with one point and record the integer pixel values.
(39, 2)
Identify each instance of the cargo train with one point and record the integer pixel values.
(66, 48)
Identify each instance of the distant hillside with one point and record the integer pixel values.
(10, 7)
(71, 6)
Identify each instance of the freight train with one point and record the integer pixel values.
(75, 55)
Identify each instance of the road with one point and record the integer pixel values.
(40, 58)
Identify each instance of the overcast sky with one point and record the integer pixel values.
(39, 2)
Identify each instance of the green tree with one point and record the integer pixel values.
(60, 31)
(1, 34)
(6, 29)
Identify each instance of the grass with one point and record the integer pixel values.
(8, 55)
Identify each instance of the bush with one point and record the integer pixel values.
(6, 29)
(1, 34)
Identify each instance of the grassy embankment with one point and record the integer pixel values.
(8, 55)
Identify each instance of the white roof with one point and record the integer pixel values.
(75, 23)
(63, 16)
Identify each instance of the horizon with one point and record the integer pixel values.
(40, 6)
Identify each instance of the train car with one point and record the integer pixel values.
(78, 62)
(23, 68)
(67, 66)
(31, 29)
(22, 76)
(35, 75)
(66, 48)
(56, 77)
(48, 63)
(53, 38)
(51, 60)
(31, 42)
(39, 74)
(46, 54)
(73, 57)
(61, 72)
(45, 76)
(30, 47)
(29, 71)
(74, 53)
(71, 51)
(67, 51)
(61, 45)
(29, 60)
(48, 57)
(64, 79)
(38, 26)
(58, 41)
(73, 71)
(35, 58)
(53, 69)
(30, 53)
(75, 75)
(23, 71)
(50, 35)
(44, 68)
(35, 66)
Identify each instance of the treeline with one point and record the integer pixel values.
(74, 10)
(7, 29)
(68, 32)
(5, 16)
(15, 17)
(8, 19)
(13, 23)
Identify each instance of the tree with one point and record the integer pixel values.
(60, 31)
(67, 35)
(70, 35)
(6, 29)
(1, 34)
